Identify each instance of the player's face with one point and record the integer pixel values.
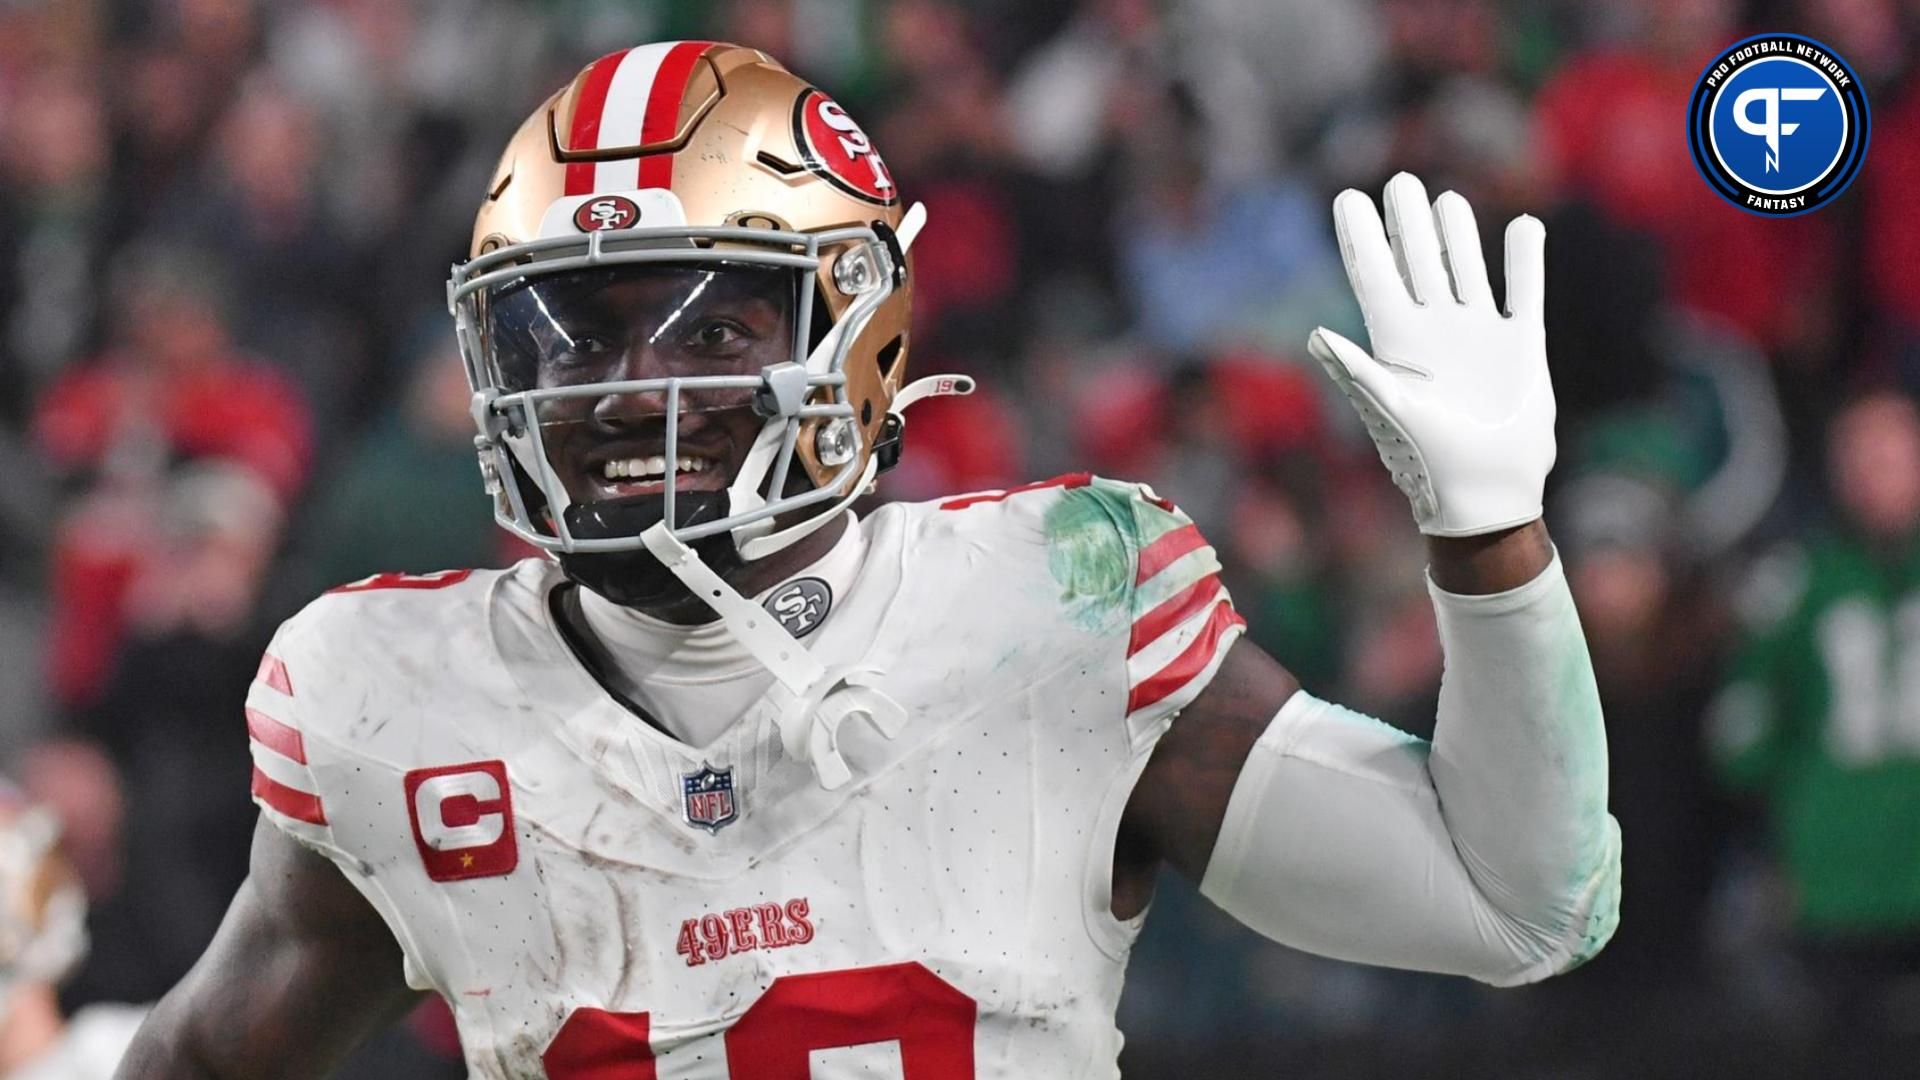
(594, 327)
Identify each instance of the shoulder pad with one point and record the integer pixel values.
(317, 667)
(1129, 565)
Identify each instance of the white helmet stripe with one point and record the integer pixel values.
(630, 98)
(625, 114)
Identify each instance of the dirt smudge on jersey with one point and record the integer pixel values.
(519, 1059)
(587, 829)
(623, 914)
(559, 956)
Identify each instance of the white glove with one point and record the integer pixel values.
(1455, 395)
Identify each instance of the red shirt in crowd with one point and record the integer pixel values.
(229, 409)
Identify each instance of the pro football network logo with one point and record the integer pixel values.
(606, 212)
(1778, 125)
(710, 801)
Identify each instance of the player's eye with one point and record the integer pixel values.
(720, 337)
(578, 347)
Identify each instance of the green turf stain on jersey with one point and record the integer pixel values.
(1091, 540)
(1586, 761)
(1603, 917)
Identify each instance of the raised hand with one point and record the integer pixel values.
(1455, 393)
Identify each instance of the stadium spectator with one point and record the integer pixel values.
(403, 500)
(172, 388)
(1822, 720)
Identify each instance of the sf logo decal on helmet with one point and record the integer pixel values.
(1778, 125)
(837, 149)
(606, 212)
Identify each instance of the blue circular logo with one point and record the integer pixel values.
(1778, 125)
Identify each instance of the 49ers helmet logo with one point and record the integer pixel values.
(835, 148)
(606, 212)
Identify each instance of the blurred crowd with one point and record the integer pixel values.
(224, 231)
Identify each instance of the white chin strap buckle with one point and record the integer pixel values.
(810, 720)
(815, 701)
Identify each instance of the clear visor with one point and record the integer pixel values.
(643, 376)
(641, 322)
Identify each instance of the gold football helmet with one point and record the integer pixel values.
(43, 909)
(666, 176)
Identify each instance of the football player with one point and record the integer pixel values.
(737, 784)
(43, 937)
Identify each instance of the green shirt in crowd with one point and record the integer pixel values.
(1822, 720)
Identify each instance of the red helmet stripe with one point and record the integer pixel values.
(625, 111)
(586, 119)
(663, 109)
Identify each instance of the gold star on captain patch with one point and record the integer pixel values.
(466, 862)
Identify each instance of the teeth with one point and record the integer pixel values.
(650, 467)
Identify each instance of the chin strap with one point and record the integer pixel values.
(759, 547)
(763, 543)
(814, 700)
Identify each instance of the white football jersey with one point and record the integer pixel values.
(91, 1046)
(596, 899)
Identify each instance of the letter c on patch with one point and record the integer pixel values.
(462, 819)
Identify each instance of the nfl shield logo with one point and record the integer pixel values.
(710, 801)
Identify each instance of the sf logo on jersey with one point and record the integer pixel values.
(606, 212)
(462, 820)
(837, 149)
(800, 605)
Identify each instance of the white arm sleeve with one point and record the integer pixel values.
(1489, 853)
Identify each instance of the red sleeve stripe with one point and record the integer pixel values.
(1171, 612)
(1191, 661)
(287, 801)
(662, 117)
(276, 736)
(587, 110)
(273, 672)
(1160, 554)
(1070, 480)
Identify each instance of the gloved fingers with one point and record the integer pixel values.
(1415, 241)
(1526, 267)
(1460, 244)
(1363, 247)
(1349, 364)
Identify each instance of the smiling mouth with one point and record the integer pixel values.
(629, 476)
